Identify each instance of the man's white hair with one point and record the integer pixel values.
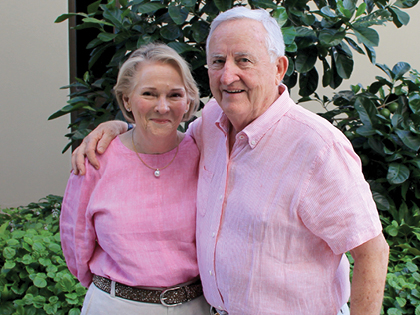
(274, 38)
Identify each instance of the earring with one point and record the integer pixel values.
(128, 109)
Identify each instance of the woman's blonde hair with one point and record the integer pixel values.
(155, 53)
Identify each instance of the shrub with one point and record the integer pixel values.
(34, 278)
(325, 31)
(383, 123)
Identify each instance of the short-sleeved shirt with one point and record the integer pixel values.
(277, 214)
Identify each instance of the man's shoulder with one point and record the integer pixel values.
(310, 123)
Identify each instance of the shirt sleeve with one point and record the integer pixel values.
(337, 204)
(78, 237)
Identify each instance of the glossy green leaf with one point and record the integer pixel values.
(280, 15)
(343, 63)
(170, 32)
(328, 12)
(343, 10)
(200, 31)
(308, 82)
(106, 37)
(371, 53)
(414, 103)
(306, 59)
(263, 4)
(366, 110)
(367, 36)
(177, 14)
(150, 7)
(289, 34)
(188, 3)
(405, 4)
(361, 9)
(381, 201)
(397, 173)
(223, 5)
(400, 69)
(308, 19)
(331, 37)
(400, 18)
(66, 16)
(354, 45)
(409, 139)
(96, 21)
(113, 16)
(180, 48)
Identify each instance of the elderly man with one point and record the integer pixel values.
(281, 195)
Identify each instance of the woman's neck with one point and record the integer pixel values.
(155, 144)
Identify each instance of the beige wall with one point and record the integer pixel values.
(395, 45)
(34, 65)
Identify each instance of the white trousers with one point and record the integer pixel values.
(344, 310)
(98, 302)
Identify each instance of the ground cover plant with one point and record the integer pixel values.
(34, 278)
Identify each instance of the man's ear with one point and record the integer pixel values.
(282, 63)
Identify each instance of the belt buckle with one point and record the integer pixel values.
(162, 298)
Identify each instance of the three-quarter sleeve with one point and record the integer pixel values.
(78, 237)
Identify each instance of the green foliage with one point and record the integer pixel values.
(34, 278)
(383, 124)
(313, 30)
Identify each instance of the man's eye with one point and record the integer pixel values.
(244, 60)
(218, 61)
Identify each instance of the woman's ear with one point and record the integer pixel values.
(126, 101)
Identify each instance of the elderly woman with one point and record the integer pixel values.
(128, 229)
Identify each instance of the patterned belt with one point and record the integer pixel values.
(171, 296)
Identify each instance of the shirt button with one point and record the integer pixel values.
(214, 234)
(210, 272)
(221, 197)
(253, 142)
(241, 137)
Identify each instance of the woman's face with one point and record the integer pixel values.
(159, 99)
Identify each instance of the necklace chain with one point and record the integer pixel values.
(157, 170)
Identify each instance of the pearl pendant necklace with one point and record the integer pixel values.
(156, 170)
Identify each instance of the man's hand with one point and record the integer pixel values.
(369, 274)
(97, 141)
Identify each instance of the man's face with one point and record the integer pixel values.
(243, 80)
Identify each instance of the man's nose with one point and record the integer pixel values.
(230, 73)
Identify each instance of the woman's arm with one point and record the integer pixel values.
(78, 236)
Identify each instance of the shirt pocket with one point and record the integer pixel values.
(203, 191)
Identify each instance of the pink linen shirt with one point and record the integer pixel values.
(122, 223)
(276, 216)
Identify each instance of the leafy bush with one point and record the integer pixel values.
(328, 31)
(383, 123)
(34, 278)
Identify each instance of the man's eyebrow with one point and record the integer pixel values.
(217, 56)
(246, 54)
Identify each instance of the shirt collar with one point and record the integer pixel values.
(256, 130)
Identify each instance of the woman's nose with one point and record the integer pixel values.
(162, 105)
